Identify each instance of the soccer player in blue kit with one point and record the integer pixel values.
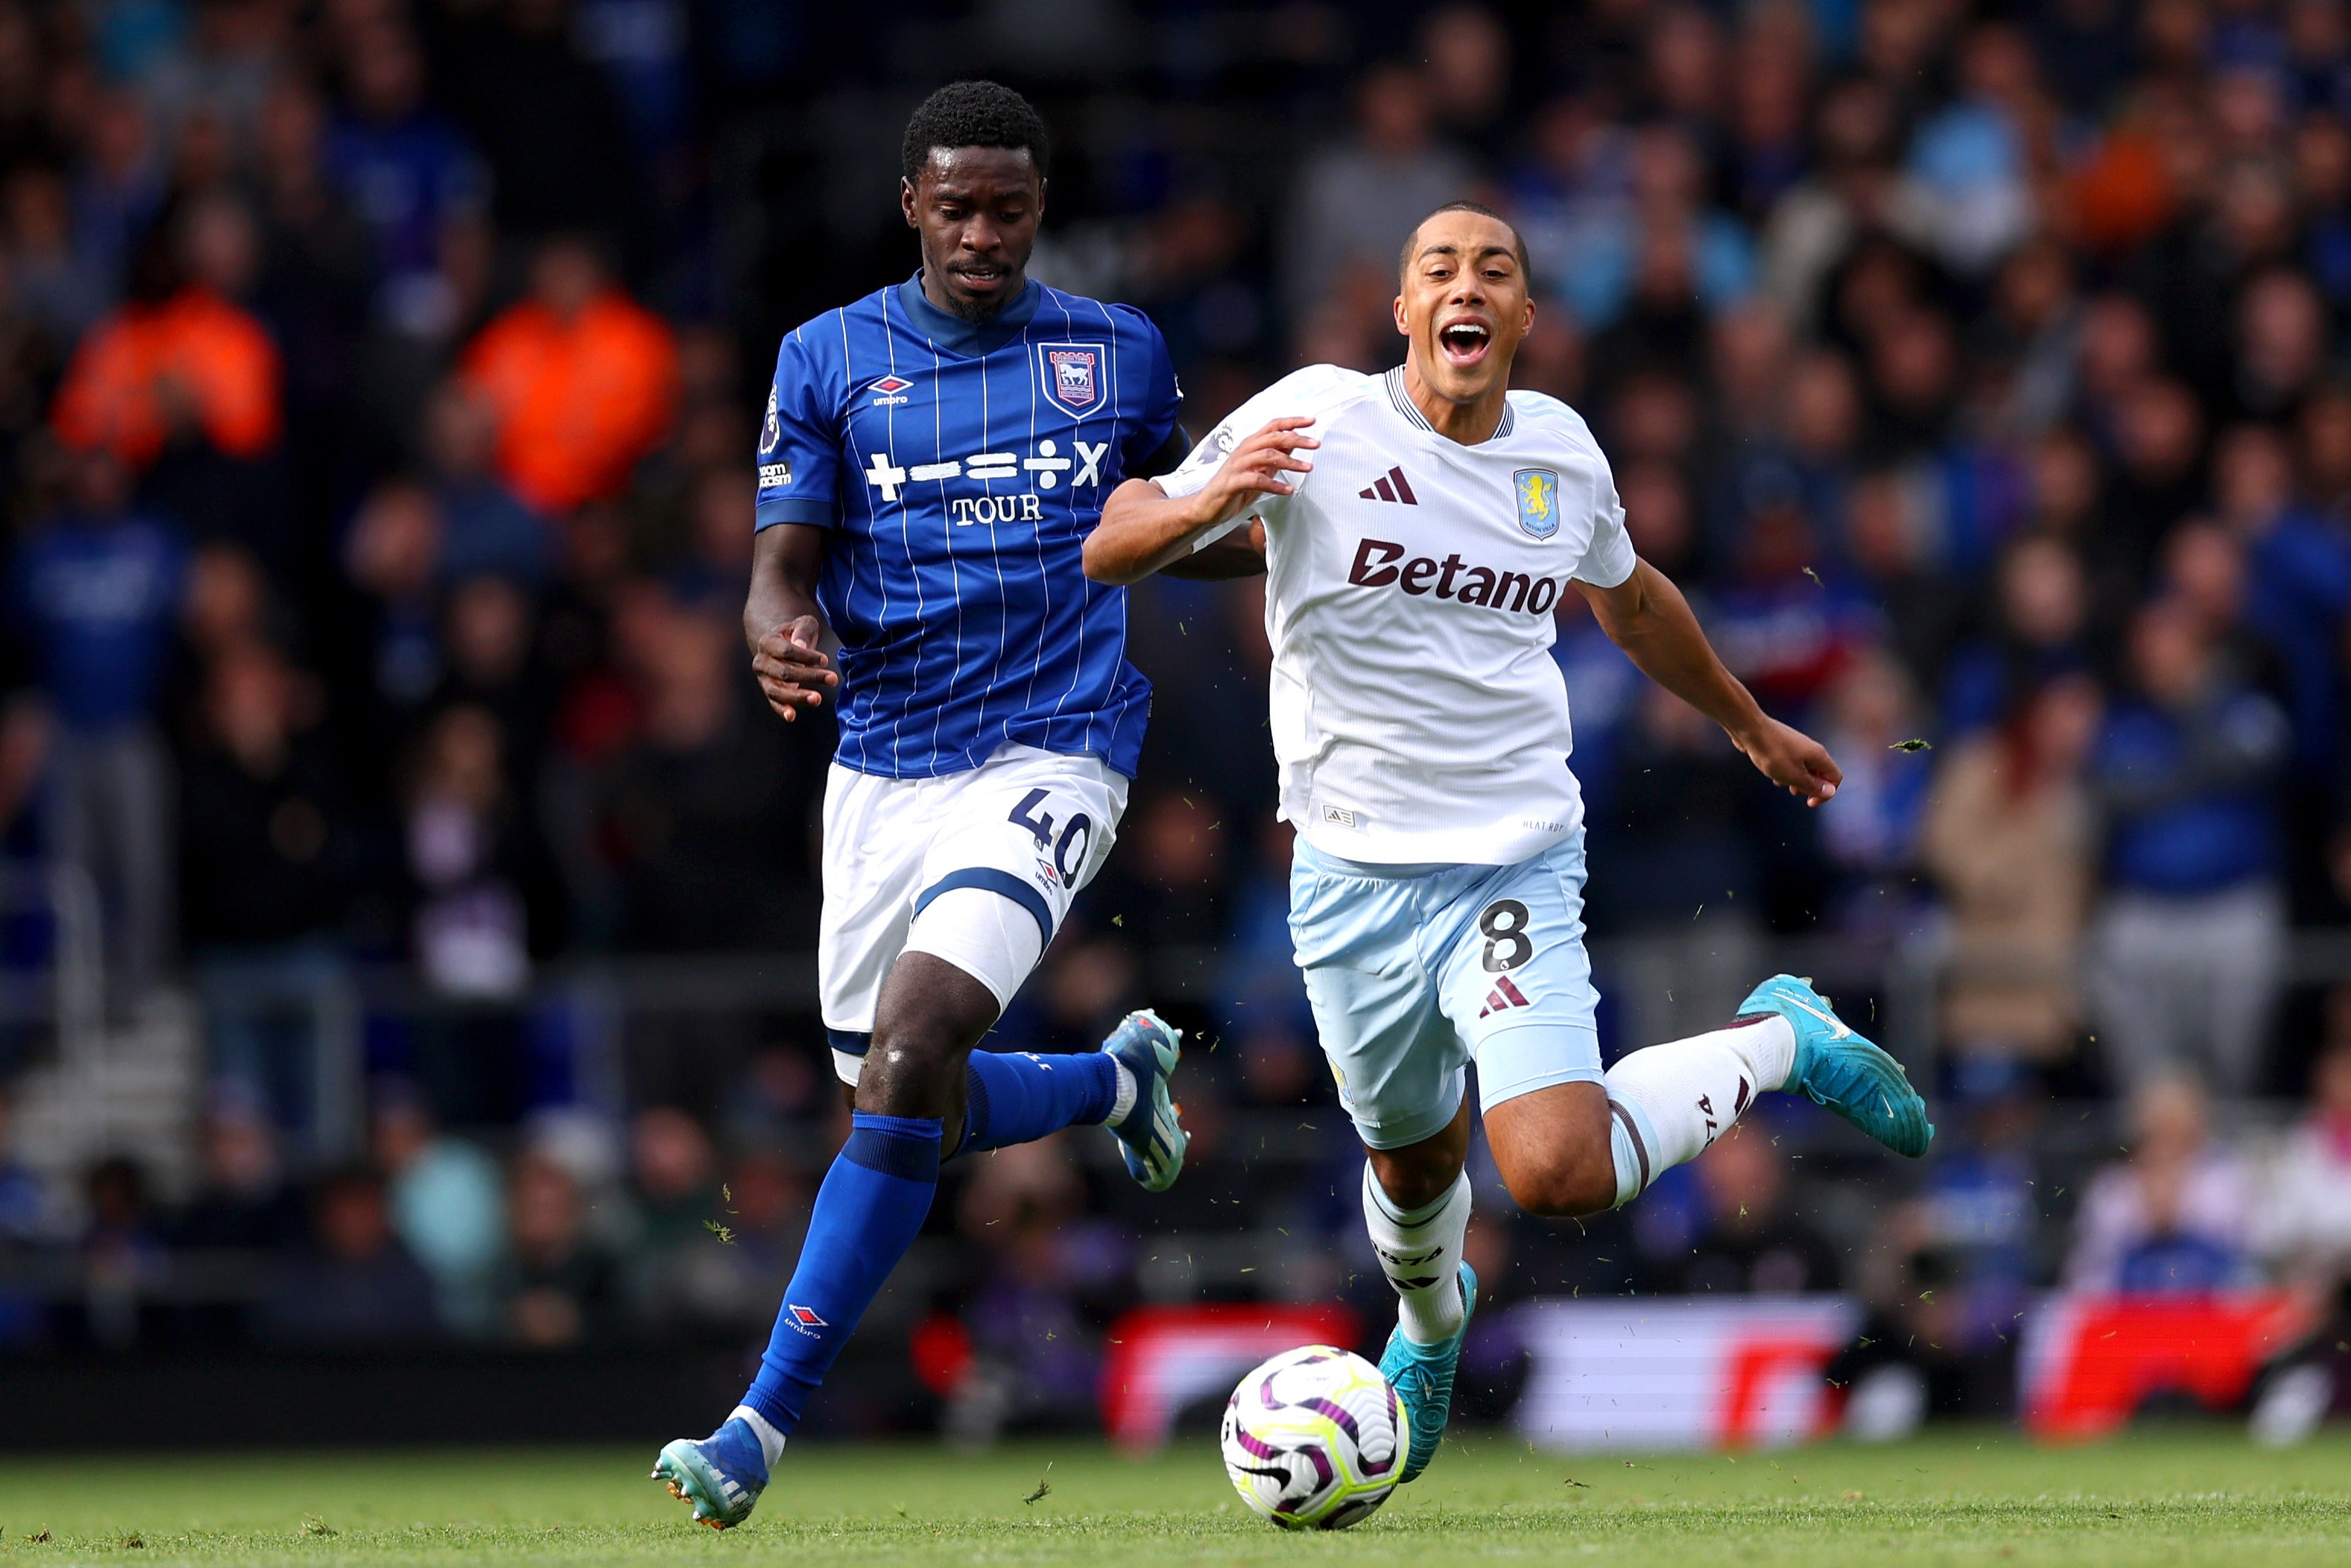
(932, 460)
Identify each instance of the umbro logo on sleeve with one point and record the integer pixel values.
(1390, 486)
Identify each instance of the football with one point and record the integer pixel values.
(1314, 1438)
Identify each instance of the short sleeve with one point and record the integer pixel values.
(1208, 454)
(799, 445)
(1156, 418)
(1609, 560)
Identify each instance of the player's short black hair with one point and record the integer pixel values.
(1518, 240)
(974, 114)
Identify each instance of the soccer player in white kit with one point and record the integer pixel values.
(1420, 526)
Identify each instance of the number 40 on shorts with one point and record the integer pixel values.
(1077, 836)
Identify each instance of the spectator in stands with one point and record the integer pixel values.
(2296, 600)
(673, 1274)
(1678, 862)
(489, 632)
(2039, 628)
(403, 167)
(356, 1285)
(2010, 838)
(94, 593)
(1750, 1238)
(121, 1252)
(1948, 1274)
(28, 1221)
(2303, 1221)
(1034, 1323)
(714, 567)
(266, 866)
(1871, 845)
(243, 1203)
(448, 1206)
(60, 288)
(244, 1217)
(1355, 198)
(392, 556)
(179, 362)
(485, 530)
(2174, 1218)
(558, 1286)
(468, 840)
(582, 381)
(548, 122)
(767, 1198)
(2188, 946)
(25, 1205)
(679, 830)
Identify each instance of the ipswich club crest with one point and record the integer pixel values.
(1538, 501)
(1070, 375)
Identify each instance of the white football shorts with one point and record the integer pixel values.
(1415, 971)
(976, 868)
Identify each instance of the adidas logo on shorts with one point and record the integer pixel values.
(1503, 997)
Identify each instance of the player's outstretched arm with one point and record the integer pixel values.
(1647, 617)
(780, 620)
(1143, 528)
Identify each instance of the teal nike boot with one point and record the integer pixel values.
(1839, 1069)
(1152, 1137)
(722, 1476)
(1423, 1374)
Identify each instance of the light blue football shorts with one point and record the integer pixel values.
(1415, 971)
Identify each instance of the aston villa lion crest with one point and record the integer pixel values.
(1538, 501)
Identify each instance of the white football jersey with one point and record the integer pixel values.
(1418, 715)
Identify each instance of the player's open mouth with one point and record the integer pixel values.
(980, 279)
(1464, 342)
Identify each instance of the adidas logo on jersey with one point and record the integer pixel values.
(1390, 486)
(1502, 997)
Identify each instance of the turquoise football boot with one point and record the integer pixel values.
(1839, 1069)
(1152, 1137)
(722, 1476)
(1423, 1374)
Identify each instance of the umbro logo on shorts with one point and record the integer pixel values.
(1390, 486)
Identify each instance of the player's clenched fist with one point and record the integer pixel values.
(1257, 466)
(793, 671)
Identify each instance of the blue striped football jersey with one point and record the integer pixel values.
(959, 467)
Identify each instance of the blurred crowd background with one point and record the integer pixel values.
(377, 756)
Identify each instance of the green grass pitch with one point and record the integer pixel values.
(2179, 1496)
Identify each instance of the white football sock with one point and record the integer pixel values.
(1420, 1252)
(1670, 1102)
(1128, 1093)
(771, 1442)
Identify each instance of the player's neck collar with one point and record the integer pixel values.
(1402, 400)
(957, 336)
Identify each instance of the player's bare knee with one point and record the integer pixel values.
(1562, 1184)
(914, 1069)
(1415, 1184)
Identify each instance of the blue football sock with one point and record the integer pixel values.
(868, 1212)
(1018, 1097)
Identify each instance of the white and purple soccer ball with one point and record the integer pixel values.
(1314, 1440)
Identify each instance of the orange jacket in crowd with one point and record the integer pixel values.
(578, 402)
(145, 368)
